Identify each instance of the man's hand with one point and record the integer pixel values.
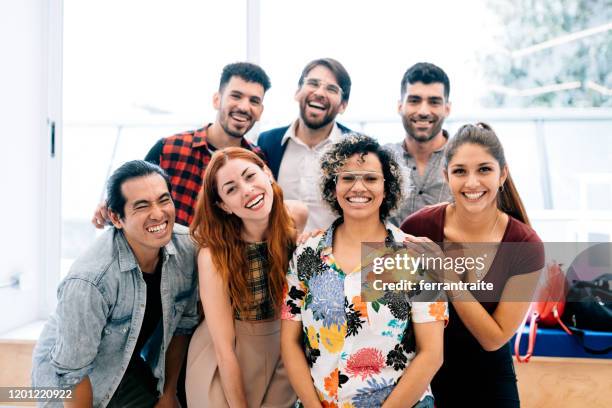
(168, 400)
(100, 218)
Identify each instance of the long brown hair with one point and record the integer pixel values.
(213, 228)
(508, 200)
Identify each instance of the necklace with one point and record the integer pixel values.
(494, 225)
(488, 237)
(481, 272)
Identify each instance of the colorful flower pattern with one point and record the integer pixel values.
(365, 362)
(357, 350)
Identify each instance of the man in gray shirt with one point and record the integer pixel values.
(423, 107)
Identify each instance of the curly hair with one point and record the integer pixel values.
(338, 154)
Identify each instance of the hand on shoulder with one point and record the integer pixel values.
(305, 236)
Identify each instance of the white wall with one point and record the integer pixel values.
(25, 160)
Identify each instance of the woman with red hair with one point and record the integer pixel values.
(246, 234)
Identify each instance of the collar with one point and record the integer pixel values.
(441, 149)
(127, 260)
(200, 136)
(333, 137)
(325, 246)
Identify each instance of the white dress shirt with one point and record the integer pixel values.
(299, 175)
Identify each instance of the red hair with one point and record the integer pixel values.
(213, 228)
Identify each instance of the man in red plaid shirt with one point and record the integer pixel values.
(184, 156)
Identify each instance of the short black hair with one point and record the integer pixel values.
(341, 74)
(115, 200)
(426, 73)
(247, 71)
(339, 153)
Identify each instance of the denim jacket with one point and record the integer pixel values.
(100, 310)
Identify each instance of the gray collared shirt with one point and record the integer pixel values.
(100, 310)
(419, 191)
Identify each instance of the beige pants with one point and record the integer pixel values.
(263, 374)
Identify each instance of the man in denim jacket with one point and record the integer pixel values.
(119, 334)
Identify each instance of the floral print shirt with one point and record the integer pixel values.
(357, 351)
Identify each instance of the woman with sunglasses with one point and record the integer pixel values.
(340, 350)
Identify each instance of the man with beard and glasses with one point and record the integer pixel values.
(423, 107)
(184, 156)
(293, 151)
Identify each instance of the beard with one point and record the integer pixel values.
(422, 137)
(235, 132)
(317, 123)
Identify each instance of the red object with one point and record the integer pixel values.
(547, 311)
(184, 157)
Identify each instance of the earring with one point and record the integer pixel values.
(501, 188)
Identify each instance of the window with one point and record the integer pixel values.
(134, 72)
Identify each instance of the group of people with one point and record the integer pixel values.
(210, 217)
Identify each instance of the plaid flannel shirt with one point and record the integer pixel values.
(184, 157)
(257, 279)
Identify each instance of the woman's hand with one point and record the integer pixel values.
(433, 258)
(305, 236)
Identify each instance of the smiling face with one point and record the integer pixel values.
(149, 214)
(360, 187)
(245, 190)
(320, 98)
(474, 177)
(423, 110)
(239, 106)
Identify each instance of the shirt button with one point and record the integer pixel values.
(413, 167)
(142, 305)
(421, 192)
